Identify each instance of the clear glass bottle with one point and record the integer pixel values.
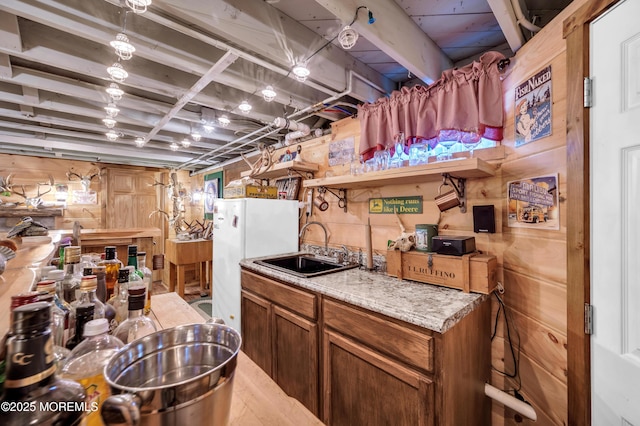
(112, 266)
(136, 325)
(147, 279)
(119, 299)
(83, 314)
(35, 383)
(72, 273)
(60, 314)
(88, 286)
(86, 362)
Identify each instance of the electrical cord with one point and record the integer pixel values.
(509, 324)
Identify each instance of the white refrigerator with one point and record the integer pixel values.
(246, 228)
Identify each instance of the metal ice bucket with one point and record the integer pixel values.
(179, 376)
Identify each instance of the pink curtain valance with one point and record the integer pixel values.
(467, 99)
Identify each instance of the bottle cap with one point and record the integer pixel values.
(72, 254)
(87, 270)
(123, 275)
(47, 286)
(34, 316)
(45, 297)
(136, 298)
(88, 283)
(109, 252)
(56, 275)
(133, 250)
(96, 327)
(85, 310)
(23, 299)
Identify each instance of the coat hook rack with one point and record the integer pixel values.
(341, 196)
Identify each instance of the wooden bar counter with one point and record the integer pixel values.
(257, 399)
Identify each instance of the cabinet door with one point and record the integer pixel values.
(363, 387)
(295, 357)
(256, 330)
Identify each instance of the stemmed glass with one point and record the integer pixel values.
(470, 140)
(448, 138)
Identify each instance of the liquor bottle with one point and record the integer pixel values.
(16, 301)
(88, 286)
(30, 376)
(132, 260)
(119, 299)
(100, 273)
(86, 362)
(60, 317)
(83, 314)
(112, 266)
(61, 248)
(72, 273)
(137, 324)
(147, 279)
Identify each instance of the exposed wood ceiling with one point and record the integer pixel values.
(196, 60)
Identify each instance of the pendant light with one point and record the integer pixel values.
(112, 110)
(115, 92)
(186, 143)
(117, 73)
(245, 107)
(140, 142)
(224, 120)
(123, 48)
(174, 146)
(208, 128)
(138, 6)
(268, 94)
(196, 136)
(109, 122)
(111, 135)
(348, 37)
(301, 71)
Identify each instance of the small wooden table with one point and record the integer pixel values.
(182, 253)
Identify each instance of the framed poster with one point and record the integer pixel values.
(212, 190)
(533, 203)
(533, 108)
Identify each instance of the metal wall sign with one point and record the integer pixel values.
(391, 205)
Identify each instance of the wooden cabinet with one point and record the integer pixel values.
(280, 334)
(362, 387)
(367, 368)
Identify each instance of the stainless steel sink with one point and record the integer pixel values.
(304, 265)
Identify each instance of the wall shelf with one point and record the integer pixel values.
(286, 168)
(463, 168)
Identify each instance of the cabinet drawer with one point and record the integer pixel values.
(298, 301)
(407, 345)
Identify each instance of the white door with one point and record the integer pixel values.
(615, 216)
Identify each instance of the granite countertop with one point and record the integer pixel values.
(433, 307)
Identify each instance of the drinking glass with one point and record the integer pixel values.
(382, 159)
(448, 138)
(470, 140)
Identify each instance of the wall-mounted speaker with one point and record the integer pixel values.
(484, 219)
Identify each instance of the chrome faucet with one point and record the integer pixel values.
(326, 235)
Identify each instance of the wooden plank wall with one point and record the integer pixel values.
(532, 261)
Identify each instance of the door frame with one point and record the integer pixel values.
(576, 33)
